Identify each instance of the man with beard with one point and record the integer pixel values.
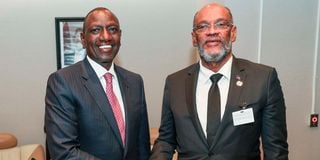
(220, 108)
(95, 109)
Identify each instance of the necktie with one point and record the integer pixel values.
(213, 114)
(115, 106)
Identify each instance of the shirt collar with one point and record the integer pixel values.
(100, 71)
(225, 70)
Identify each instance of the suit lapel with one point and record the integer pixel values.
(93, 85)
(124, 87)
(235, 96)
(190, 86)
(237, 84)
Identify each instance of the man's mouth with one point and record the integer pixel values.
(105, 47)
(213, 42)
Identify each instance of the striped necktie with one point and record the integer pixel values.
(115, 106)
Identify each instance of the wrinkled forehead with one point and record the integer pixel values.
(213, 13)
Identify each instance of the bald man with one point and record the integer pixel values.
(95, 109)
(218, 108)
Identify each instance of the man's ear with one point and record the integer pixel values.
(194, 40)
(233, 33)
(83, 42)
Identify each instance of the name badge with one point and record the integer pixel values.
(244, 116)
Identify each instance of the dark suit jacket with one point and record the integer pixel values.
(79, 121)
(180, 128)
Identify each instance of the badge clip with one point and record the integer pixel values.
(244, 105)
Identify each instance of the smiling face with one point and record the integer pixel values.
(101, 36)
(213, 33)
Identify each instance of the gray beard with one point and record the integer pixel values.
(215, 57)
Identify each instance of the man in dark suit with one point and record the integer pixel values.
(90, 117)
(250, 101)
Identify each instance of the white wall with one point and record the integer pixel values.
(289, 34)
(156, 41)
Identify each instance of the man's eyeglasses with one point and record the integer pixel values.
(204, 27)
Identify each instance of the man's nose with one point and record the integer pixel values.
(105, 35)
(212, 29)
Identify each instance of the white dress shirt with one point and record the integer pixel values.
(203, 85)
(100, 71)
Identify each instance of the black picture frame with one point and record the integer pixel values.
(68, 44)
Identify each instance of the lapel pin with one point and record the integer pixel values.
(239, 83)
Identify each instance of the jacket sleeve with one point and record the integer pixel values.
(144, 135)
(165, 144)
(61, 121)
(274, 129)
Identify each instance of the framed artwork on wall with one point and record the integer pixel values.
(68, 42)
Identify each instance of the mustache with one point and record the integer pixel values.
(215, 39)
